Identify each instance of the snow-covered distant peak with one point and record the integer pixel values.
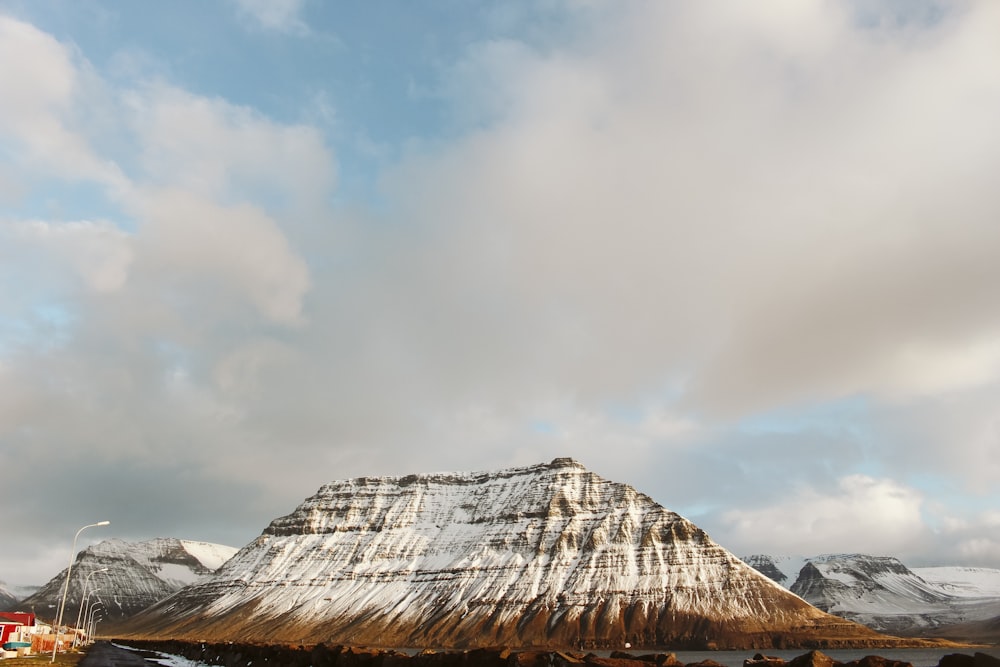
(133, 575)
(7, 597)
(843, 567)
(782, 569)
(162, 551)
(212, 556)
(881, 592)
(965, 582)
(192, 562)
(852, 569)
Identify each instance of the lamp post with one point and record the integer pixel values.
(85, 596)
(94, 620)
(62, 605)
(87, 609)
(90, 614)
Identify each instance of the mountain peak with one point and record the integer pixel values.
(133, 575)
(883, 593)
(548, 554)
(566, 462)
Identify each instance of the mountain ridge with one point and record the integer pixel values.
(884, 594)
(137, 575)
(549, 554)
(7, 598)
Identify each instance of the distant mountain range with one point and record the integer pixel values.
(138, 574)
(549, 554)
(8, 600)
(882, 593)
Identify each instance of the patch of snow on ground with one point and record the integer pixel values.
(165, 659)
(170, 660)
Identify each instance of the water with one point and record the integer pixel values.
(918, 657)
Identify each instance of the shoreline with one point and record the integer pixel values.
(235, 654)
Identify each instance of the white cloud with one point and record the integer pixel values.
(97, 252)
(193, 244)
(770, 226)
(279, 15)
(954, 436)
(43, 87)
(756, 208)
(215, 149)
(862, 514)
(245, 370)
(983, 550)
(922, 368)
(976, 537)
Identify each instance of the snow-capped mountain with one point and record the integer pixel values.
(549, 554)
(7, 598)
(882, 593)
(138, 574)
(782, 569)
(963, 582)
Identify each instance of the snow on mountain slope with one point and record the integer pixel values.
(781, 569)
(543, 555)
(966, 582)
(884, 594)
(7, 598)
(210, 555)
(138, 574)
(864, 585)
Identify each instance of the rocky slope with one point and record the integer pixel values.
(138, 574)
(544, 555)
(781, 569)
(884, 594)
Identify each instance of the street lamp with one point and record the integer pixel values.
(85, 596)
(94, 620)
(62, 605)
(87, 610)
(89, 619)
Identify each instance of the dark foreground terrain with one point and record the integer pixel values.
(249, 655)
(103, 654)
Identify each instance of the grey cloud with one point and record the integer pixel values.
(630, 219)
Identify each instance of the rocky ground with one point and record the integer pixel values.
(246, 655)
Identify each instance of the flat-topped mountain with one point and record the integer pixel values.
(886, 595)
(550, 554)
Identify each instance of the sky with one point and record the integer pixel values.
(742, 256)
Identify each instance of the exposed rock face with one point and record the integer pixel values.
(547, 555)
(138, 574)
(768, 566)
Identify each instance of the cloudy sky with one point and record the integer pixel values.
(743, 256)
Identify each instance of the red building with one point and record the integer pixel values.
(22, 617)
